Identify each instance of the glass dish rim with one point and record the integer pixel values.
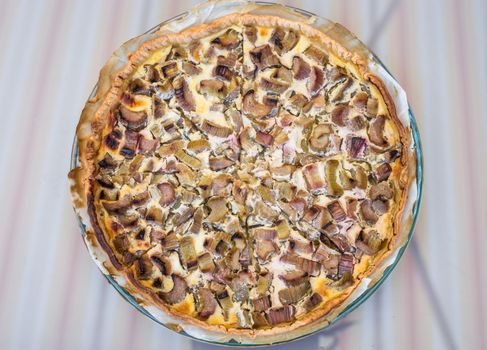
(355, 303)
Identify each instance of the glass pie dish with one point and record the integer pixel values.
(208, 12)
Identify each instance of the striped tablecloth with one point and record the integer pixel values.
(53, 297)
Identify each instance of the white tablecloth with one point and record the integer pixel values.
(53, 297)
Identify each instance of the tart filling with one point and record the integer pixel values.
(247, 178)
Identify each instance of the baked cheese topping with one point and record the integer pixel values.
(248, 178)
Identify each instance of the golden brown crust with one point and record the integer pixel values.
(96, 115)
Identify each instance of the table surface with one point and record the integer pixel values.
(53, 297)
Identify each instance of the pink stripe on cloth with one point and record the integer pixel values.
(37, 106)
(71, 284)
(112, 27)
(405, 83)
(471, 158)
(378, 324)
(133, 329)
(344, 19)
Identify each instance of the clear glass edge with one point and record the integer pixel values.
(353, 305)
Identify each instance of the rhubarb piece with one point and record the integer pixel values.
(370, 242)
(214, 129)
(188, 253)
(261, 303)
(316, 80)
(339, 115)
(314, 300)
(281, 315)
(383, 172)
(168, 195)
(337, 211)
(263, 57)
(253, 108)
(313, 176)
(301, 69)
(212, 87)
(162, 263)
(265, 249)
(218, 209)
(178, 292)
(135, 121)
(303, 264)
(320, 138)
(220, 163)
(207, 303)
(284, 41)
(367, 212)
(228, 40)
(316, 54)
(183, 94)
(184, 157)
(334, 189)
(356, 147)
(292, 295)
(294, 278)
(376, 131)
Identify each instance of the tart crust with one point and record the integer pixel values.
(96, 117)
